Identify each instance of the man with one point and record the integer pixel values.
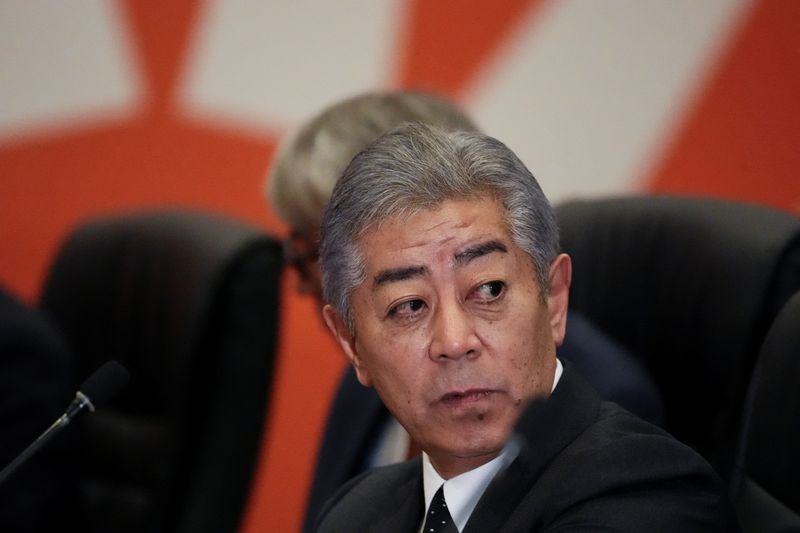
(448, 294)
(360, 433)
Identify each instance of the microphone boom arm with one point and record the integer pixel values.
(106, 381)
(33, 447)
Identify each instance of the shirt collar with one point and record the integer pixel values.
(463, 491)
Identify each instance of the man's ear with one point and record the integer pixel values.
(558, 299)
(347, 341)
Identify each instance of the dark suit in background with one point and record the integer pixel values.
(583, 464)
(36, 386)
(357, 414)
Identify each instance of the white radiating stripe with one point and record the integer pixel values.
(62, 62)
(588, 92)
(268, 64)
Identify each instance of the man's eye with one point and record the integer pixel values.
(489, 291)
(407, 308)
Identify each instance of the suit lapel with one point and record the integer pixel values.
(402, 512)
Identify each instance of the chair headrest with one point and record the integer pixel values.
(141, 288)
(688, 284)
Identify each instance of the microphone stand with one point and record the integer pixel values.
(79, 404)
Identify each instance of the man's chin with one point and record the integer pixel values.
(468, 446)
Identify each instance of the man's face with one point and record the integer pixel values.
(451, 328)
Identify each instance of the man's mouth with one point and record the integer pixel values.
(470, 395)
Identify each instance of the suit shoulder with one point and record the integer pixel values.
(622, 462)
(379, 492)
(620, 444)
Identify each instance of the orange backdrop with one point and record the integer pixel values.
(737, 138)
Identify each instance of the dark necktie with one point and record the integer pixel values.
(438, 519)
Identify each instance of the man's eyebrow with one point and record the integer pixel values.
(461, 258)
(397, 274)
(473, 252)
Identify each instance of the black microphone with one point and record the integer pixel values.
(105, 383)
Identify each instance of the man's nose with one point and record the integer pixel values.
(454, 334)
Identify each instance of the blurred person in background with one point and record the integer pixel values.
(360, 433)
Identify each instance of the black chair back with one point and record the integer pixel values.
(765, 487)
(691, 286)
(188, 302)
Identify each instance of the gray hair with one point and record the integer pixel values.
(415, 168)
(310, 160)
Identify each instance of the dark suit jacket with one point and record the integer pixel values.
(357, 414)
(584, 464)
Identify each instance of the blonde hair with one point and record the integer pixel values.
(310, 161)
